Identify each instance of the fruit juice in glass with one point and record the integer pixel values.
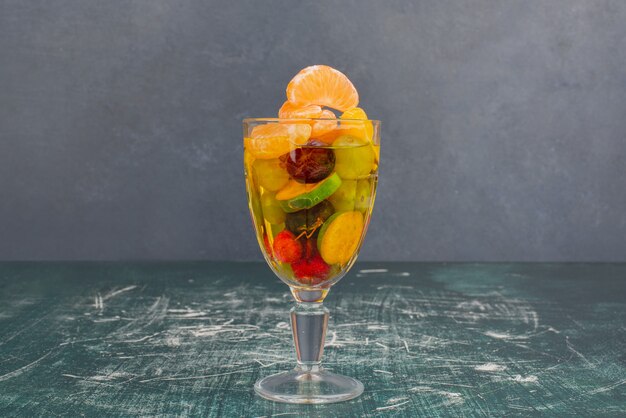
(311, 198)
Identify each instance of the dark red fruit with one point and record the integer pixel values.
(311, 163)
(309, 221)
(311, 271)
(286, 248)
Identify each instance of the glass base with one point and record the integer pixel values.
(315, 386)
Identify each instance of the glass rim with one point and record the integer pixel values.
(249, 120)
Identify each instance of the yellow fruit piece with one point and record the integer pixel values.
(363, 200)
(340, 236)
(354, 113)
(367, 130)
(354, 157)
(361, 129)
(270, 174)
(377, 153)
(271, 209)
(272, 140)
(344, 198)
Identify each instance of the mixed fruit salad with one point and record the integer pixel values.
(311, 177)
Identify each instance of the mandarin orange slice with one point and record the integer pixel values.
(321, 127)
(323, 86)
(291, 111)
(272, 140)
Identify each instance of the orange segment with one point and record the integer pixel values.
(293, 189)
(323, 86)
(321, 127)
(291, 111)
(272, 140)
(329, 137)
(351, 128)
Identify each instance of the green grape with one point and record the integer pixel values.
(270, 174)
(277, 228)
(272, 211)
(254, 201)
(344, 198)
(354, 157)
(363, 195)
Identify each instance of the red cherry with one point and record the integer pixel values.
(286, 248)
(313, 269)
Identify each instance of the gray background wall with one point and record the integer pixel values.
(504, 123)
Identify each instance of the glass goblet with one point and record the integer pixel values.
(311, 185)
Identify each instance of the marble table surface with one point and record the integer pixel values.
(191, 338)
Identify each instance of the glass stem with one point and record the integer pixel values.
(309, 321)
